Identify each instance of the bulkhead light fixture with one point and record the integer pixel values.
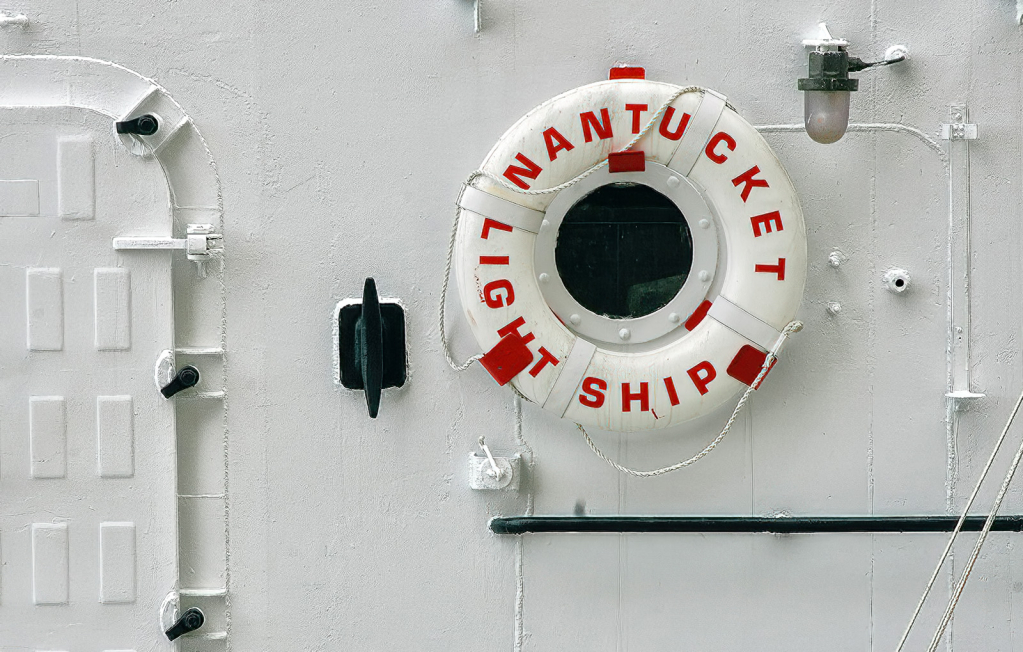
(827, 88)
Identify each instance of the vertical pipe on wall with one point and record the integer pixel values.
(959, 381)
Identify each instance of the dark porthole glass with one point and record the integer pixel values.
(624, 250)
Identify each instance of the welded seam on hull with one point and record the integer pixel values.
(520, 544)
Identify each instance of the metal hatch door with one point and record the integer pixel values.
(88, 518)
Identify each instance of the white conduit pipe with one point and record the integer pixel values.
(954, 600)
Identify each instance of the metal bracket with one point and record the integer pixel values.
(825, 41)
(489, 473)
(963, 394)
(199, 244)
(15, 20)
(960, 390)
(959, 129)
(483, 478)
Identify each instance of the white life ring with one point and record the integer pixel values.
(710, 341)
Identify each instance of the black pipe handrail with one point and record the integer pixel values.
(749, 524)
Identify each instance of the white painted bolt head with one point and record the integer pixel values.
(625, 333)
(575, 319)
(835, 258)
(545, 224)
(704, 275)
(545, 277)
(834, 307)
(673, 182)
(674, 318)
(704, 223)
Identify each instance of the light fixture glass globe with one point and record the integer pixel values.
(826, 115)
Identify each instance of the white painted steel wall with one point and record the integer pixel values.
(341, 132)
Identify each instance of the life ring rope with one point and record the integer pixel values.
(632, 143)
(518, 213)
(456, 366)
(793, 327)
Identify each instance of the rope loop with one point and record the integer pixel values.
(772, 355)
(792, 327)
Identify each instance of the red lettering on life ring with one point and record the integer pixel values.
(556, 142)
(636, 110)
(749, 182)
(577, 370)
(493, 224)
(589, 122)
(778, 269)
(493, 260)
(765, 221)
(514, 173)
(593, 392)
(701, 375)
(718, 138)
(546, 357)
(493, 296)
(643, 396)
(665, 129)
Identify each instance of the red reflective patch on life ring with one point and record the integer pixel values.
(508, 358)
(697, 316)
(626, 162)
(747, 363)
(627, 72)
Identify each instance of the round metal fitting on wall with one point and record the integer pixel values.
(603, 328)
(896, 280)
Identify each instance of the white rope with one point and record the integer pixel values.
(444, 299)
(561, 186)
(793, 327)
(542, 191)
(955, 533)
(954, 599)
